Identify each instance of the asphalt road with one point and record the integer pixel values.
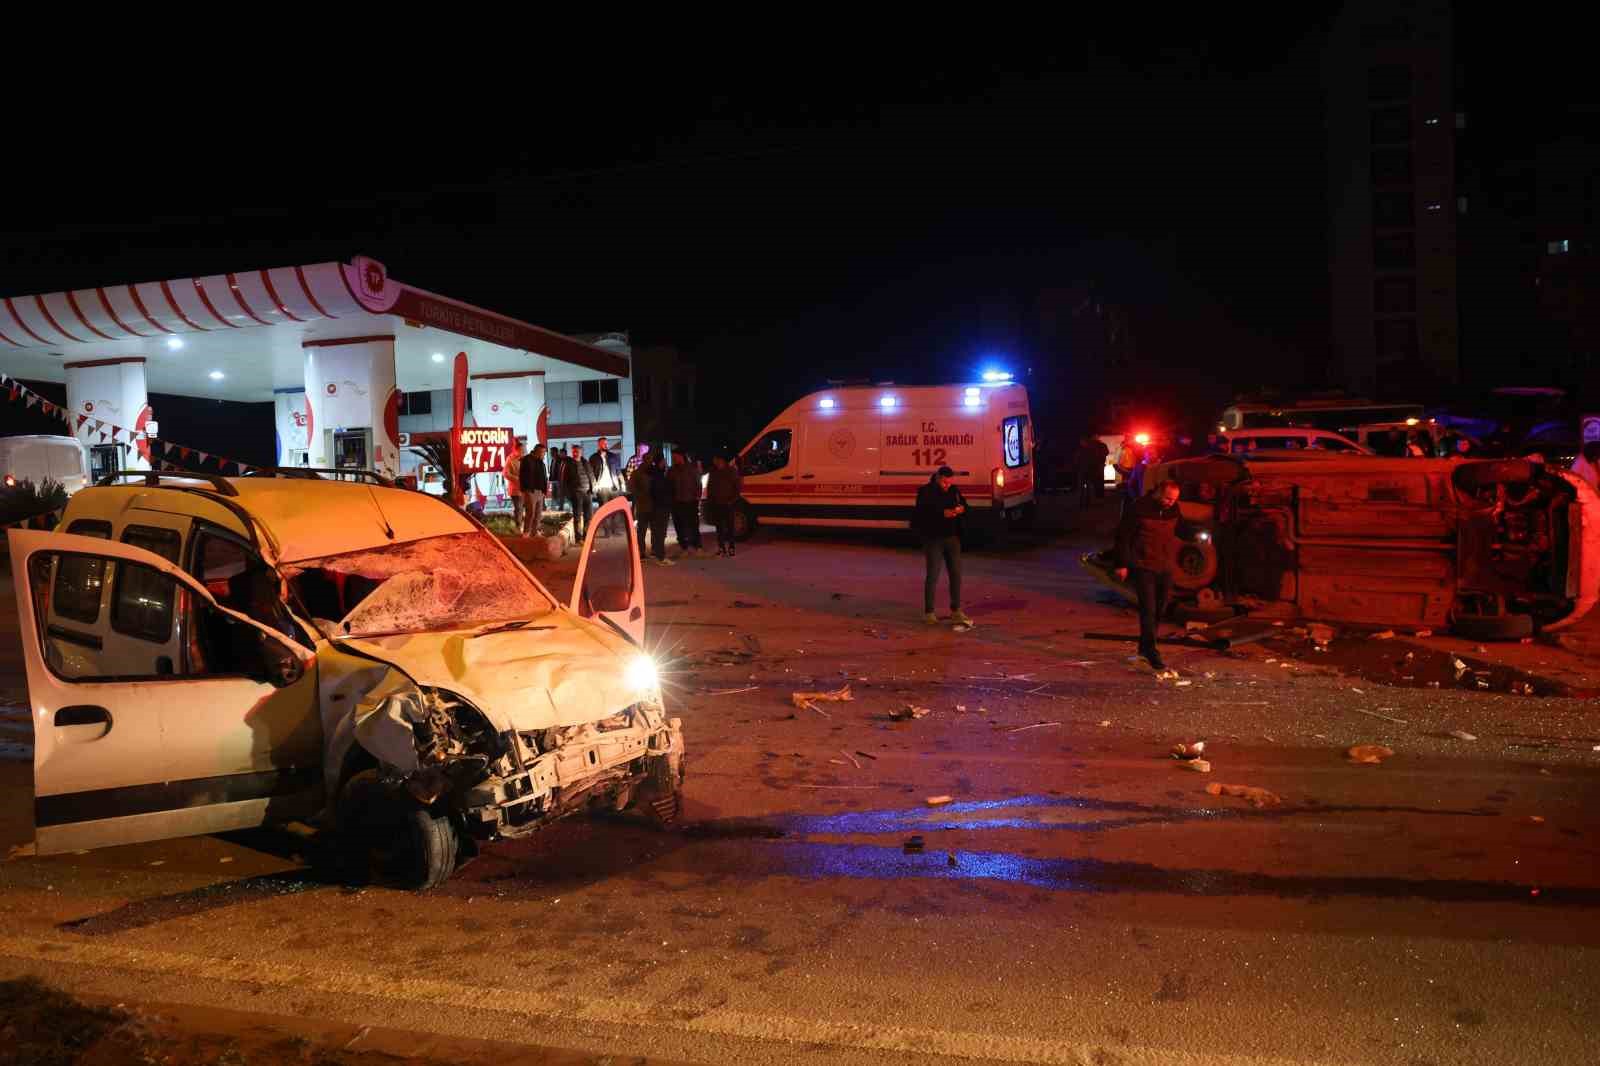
(1081, 899)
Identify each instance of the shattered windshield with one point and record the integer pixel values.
(437, 583)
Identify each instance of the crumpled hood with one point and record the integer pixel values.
(560, 671)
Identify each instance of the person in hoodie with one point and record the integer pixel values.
(937, 521)
(1147, 550)
(722, 496)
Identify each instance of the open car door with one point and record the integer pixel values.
(610, 581)
(156, 711)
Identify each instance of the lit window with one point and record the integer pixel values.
(1430, 122)
(1560, 247)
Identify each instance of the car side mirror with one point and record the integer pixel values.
(284, 667)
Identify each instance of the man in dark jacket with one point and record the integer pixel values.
(577, 481)
(534, 478)
(937, 521)
(606, 469)
(1147, 549)
(685, 478)
(722, 496)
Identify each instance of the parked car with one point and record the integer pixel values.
(41, 457)
(1287, 439)
(1494, 549)
(206, 654)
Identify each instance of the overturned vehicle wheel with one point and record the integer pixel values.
(386, 837)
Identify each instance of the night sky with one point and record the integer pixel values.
(881, 211)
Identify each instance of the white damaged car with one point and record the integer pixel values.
(208, 654)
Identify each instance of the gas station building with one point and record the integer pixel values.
(352, 360)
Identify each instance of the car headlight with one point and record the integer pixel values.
(641, 675)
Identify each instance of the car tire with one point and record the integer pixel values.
(386, 837)
(744, 521)
(1194, 565)
(1492, 626)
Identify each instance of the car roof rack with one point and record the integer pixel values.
(152, 479)
(316, 472)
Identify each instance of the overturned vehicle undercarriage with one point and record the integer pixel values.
(1494, 549)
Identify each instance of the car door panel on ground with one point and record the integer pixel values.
(173, 724)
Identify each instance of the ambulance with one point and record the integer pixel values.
(855, 456)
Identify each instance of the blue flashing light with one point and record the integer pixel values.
(996, 376)
(826, 403)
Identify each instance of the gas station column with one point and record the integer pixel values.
(110, 392)
(353, 407)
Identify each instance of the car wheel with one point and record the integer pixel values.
(744, 521)
(1492, 626)
(1194, 565)
(386, 837)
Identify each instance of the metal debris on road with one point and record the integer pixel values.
(1461, 668)
(938, 801)
(853, 760)
(1256, 797)
(1036, 725)
(1369, 753)
(913, 843)
(732, 691)
(1107, 722)
(1199, 766)
(1387, 634)
(909, 712)
(742, 603)
(1189, 751)
(1385, 717)
(1462, 734)
(866, 755)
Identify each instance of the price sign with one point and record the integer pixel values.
(485, 450)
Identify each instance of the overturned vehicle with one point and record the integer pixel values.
(1494, 549)
(208, 654)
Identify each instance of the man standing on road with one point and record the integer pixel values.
(722, 496)
(1147, 549)
(1091, 464)
(512, 472)
(685, 479)
(577, 481)
(937, 521)
(607, 471)
(646, 502)
(535, 486)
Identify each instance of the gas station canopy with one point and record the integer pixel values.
(243, 336)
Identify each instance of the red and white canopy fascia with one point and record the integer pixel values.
(321, 295)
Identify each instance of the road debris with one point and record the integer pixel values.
(938, 801)
(1385, 717)
(742, 603)
(1182, 684)
(1168, 674)
(909, 713)
(1321, 633)
(1107, 722)
(913, 844)
(732, 691)
(949, 858)
(1536, 819)
(1189, 751)
(867, 755)
(1199, 766)
(1387, 634)
(1036, 725)
(1462, 734)
(1423, 633)
(1461, 668)
(809, 700)
(1369, 753)
(1256, 797)
(853, 760)
(961, 708)
(841, 762)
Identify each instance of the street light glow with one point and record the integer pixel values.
(174, 343)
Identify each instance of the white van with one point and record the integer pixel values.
(855, 456)
(38, 457)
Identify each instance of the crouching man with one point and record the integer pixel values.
(1147, 549)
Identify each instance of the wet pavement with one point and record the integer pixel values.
(1080, 898)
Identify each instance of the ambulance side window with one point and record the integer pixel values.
(769, 453)
(1015, 435)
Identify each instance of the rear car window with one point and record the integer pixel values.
(142, 600)
(81, 578)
